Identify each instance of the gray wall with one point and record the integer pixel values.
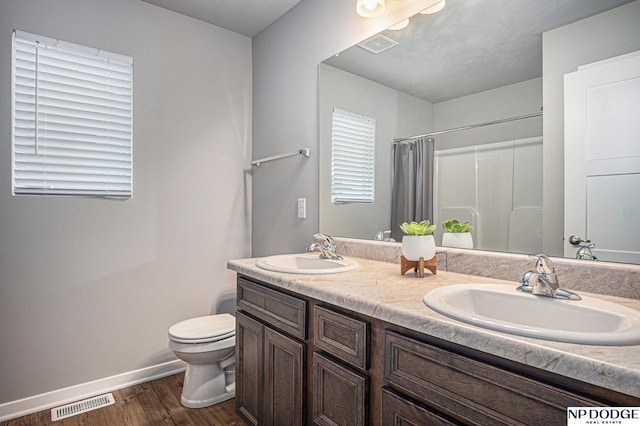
(89, 287)
(397, 114)
(285, 100)
(603, 36)
(504, 102)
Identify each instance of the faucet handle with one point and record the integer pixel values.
(327, 240)
(327, 248)
(585, 253)
(543, 264)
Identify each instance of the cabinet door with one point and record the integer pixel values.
(283, 380)
(339, 394)
(249, 346)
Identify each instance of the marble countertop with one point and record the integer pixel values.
(378, 290)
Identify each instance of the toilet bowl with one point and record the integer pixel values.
(207, 344)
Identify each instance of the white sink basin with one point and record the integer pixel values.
(501, 307)
(307, 263)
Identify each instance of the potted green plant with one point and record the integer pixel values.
(418, 241)
(457, 234)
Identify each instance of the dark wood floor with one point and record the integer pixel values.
(152, 403)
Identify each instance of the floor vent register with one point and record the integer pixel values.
(83, 406)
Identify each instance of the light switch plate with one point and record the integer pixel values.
(302, 208)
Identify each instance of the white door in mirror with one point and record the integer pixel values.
(602, 158)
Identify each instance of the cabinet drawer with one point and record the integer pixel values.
(471, 391)
(284, 312)
(342, 336)
(339, 394)
(400, 411)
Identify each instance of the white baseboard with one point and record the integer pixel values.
(33, 404)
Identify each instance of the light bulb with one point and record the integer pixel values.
(370, 8)
(370, 4)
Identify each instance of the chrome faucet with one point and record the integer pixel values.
(585, 253)
(543, 280)
(326, 246)
(384, 236)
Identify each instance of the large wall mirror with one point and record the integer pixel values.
(483, 82)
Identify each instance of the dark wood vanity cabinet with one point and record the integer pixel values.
(340, 362)
(249, 360)
(340, 395)
(400, 411)
(283, 379)
(469, 391)
(427, 381)
(269, 379)
(270, 382)
(300, 361)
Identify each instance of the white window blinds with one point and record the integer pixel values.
(72, 110)
(352, 158)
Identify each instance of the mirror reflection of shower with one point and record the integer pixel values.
(412, 187)
(489, 180)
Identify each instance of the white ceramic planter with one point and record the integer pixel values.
(416, 246)
(457, 239)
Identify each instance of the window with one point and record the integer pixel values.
(352, 158)
(71, 119)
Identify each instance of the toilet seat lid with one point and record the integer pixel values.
(203, 329)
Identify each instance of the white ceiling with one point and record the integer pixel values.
(468, 47)
(247, 17)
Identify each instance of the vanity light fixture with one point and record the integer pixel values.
(435, 8)
(400, 25)
(370, 8)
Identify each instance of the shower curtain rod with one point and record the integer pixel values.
(471, 126)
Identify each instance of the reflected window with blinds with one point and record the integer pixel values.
(72, 119)
(352, 158)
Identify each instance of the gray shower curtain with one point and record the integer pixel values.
(412, 188)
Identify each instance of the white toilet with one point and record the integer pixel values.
(207, 344)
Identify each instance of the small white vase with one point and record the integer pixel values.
(457, 239)
(416, 246)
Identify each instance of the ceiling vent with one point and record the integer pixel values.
(378, 44)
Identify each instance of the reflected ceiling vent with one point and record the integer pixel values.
(378, 44)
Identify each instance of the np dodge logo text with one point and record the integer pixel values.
(603, 416)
